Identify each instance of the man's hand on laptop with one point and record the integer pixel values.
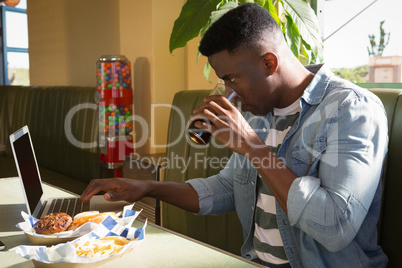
(117, 189)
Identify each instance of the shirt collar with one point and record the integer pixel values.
(315, 91)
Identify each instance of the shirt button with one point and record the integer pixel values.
(264, 129)
(252, 183)
(252, 207)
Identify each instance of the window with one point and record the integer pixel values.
(347, 26)
(14, 53)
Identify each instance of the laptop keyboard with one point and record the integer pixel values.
(71, 206)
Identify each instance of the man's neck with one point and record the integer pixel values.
(296, 80)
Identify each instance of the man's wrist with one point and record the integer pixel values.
(256, 150)
(151, 189)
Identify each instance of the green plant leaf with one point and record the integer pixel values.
(207, 71)
(260, 2)
(303, 16)
(293, 37)
(305, 54)
(193, 16)
(272, 9)
(215, 15)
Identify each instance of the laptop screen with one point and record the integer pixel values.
(29, 174)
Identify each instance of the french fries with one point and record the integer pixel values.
(100, 247)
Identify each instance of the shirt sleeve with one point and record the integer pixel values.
(331, 206)
(215, 193)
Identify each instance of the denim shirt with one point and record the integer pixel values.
(336, 148)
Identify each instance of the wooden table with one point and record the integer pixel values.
(160, 248)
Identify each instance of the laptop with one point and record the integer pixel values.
(36, 202)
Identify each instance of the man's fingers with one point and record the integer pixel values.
(216, 104)
(212, 112)
(110, 196)
(115, 196)
(220, 100)
(204, 125)
(94, 187)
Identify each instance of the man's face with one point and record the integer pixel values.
(246, 74)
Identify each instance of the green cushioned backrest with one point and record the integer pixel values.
(390, 232)
(45, 110)
(221, 231)
(389, 98)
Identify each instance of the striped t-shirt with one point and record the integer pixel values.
(267, 239)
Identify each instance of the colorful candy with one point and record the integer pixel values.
(113, 75)
(115, 119)
(113, 72)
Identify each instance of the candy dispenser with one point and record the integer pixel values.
(115, 110)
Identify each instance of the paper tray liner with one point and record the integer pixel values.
(79, 265)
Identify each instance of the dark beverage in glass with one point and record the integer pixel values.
(197, 135)
(201, 136)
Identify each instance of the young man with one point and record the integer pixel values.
(309, 148)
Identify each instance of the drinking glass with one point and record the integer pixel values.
(201, 136)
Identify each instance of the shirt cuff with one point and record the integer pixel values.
(205, 195)
(299, 194)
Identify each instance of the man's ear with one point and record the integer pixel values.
(270, 61)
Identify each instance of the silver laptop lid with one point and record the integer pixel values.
(27, 167)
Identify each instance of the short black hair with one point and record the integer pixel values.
(239, 28)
